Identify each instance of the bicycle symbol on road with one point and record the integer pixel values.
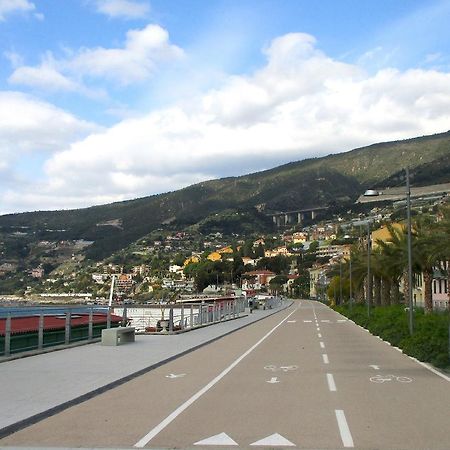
(272, 368)
(383, 378)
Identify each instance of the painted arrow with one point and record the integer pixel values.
(375, 367)
(172, 375)
(273, 380)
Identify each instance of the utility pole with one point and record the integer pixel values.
(369, 280)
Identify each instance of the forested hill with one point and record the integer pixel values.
(303, 184)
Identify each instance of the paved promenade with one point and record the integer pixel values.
(30, 387)
(305, 377)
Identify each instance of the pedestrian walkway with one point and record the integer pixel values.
(37, 386)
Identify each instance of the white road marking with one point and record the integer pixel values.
(375, 367)
(431, 369)
(344, 430)
(322, 345)
(326, 321)
(273, 380)
(172, 416)
(218, 439)
(325, 359)
(307, 321)
(331, 383)
(172, 375)
(383, 378)
(341, 320)
(275, 440)
(319, 335)
(291, 321)
(318, 329)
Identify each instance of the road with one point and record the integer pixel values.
(304, 377)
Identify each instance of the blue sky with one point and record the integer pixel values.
(105, 100)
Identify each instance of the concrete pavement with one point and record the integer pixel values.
(32, 387)
(305, 377)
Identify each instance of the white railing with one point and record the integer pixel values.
(172, 318)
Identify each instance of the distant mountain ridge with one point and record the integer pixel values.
(315, 182)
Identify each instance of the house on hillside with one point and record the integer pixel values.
(256, 279)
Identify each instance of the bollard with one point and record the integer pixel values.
(191, 318)
(108, 318)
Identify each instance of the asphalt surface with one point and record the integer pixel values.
(304, 377)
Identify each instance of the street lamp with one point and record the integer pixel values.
(373, 193)
(369, 279)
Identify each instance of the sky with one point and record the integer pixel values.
(108, 100)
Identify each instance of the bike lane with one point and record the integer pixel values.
(278, 396)
(390, 401)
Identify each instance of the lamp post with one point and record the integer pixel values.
(369, 280)
(351, 289)
(373, 193)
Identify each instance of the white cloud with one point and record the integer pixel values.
(8, 7)
(302, 103)
(137, 60)
(126, 9)
(43, 77)
(30, 125)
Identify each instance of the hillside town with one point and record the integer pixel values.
(296, 260)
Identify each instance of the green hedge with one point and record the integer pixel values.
(430, 341)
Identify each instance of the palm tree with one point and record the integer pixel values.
(395, 262)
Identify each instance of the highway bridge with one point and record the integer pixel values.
(295, 217)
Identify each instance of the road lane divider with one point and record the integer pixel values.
(322, 345)
(325, 358)
(172, 416)
(344, 430)
(331, 383)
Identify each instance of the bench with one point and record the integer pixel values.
(116, 336)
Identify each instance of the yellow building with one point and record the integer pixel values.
(215, 256)
(225, 250)
(383, 234)
(192, 259)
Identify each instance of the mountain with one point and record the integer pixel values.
(315, 182)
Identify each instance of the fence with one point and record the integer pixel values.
(28, 329)
(36, 329)
(172, 318)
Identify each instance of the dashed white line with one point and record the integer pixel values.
(325, 358)
(172, 416)
(319, 335)
(331, 383)
(322, 345)
(344, 430)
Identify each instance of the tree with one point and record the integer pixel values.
(276, 283)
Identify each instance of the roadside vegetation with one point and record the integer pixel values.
(430, 341)
(389, 277)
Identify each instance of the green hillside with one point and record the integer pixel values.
(310, 183)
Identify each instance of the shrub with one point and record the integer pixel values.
(429, 343)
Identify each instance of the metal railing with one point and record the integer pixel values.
(173, 318)
(38, 328)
